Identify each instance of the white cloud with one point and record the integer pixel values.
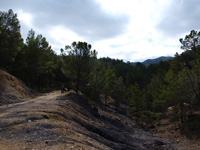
(25, 18)
(60, 36)
(132, 30)
(142, 39)
(26, 21)
(180, 17)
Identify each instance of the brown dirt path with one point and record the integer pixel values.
(57, 121)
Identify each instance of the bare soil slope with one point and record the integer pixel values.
(56, 121)
(12, 90)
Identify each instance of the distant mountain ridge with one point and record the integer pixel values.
(154, 61)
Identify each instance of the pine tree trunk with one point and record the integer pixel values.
(182, 111)
(106, 98)
(77, 82)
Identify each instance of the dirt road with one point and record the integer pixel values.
(54, 121)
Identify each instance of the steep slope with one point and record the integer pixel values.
(12, 90)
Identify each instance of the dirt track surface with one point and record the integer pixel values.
(58, 122)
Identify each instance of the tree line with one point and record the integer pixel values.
(146, 91)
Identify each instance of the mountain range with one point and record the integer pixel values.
(153, 61)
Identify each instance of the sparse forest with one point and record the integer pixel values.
(144, 92)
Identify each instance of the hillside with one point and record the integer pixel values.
(55, 121)
(13, 90)
(66, 121)
(153, 61)
(186, 134)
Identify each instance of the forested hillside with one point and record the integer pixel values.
(143, 92)
(153, 61)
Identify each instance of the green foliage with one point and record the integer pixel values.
(136, 100)
(191, 41)
(41, 59)
(109, 83)
(79, 62)
(170, 91)
(95, 86)
(178, 83)
(33, 62)
(149, 90)
(10, 39)
(191, 66)
(191, 128)
(156, 90)
(149, 116)
(119, 90)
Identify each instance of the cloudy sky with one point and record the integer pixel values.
(132, 30)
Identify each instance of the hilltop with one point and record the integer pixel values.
(153, 61)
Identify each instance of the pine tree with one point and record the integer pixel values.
(10, 39)
(79, 62)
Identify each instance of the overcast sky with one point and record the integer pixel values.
(132, 30)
